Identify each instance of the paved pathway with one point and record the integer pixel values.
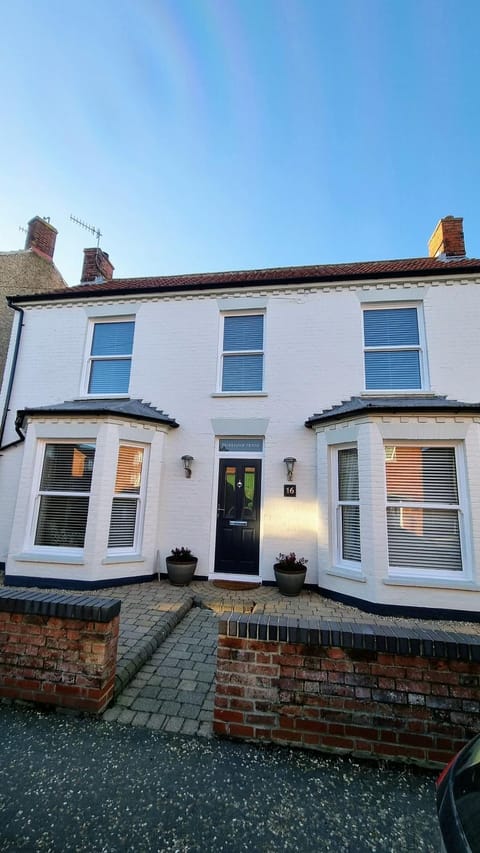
(174, 691)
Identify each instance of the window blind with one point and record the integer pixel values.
(389, 327)
(242, 373)
(393, 370)
(62, 516)
(348, 495)
(420, 535)
(392, 349)
(128, 481)
(109, 377)
(113, 338)
(243, 333)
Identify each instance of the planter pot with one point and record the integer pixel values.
(288, 582)
(180, 573)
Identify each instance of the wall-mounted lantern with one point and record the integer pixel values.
(187, 464)
(290, 465)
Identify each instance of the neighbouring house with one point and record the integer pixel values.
(331, 410)
(27, 271)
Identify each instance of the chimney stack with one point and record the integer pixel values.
(97, 266)
(41, 237)
(447, 241)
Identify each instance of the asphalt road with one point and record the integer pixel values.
(74, 784)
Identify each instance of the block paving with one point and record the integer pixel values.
(166, 655)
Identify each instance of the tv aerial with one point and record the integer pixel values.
(95, 231)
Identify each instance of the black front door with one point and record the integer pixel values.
(238, 517)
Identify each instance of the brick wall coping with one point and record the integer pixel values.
(86, 607)
(392, 639)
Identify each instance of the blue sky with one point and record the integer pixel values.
(204, 135)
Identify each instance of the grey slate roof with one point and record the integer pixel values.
(383, 405)
(136, 409)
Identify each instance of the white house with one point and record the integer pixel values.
(364, 374)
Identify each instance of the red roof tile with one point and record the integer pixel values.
(362, 270)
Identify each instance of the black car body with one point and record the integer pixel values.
(458, 801)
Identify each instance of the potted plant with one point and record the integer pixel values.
(181, 565)
(290, 572)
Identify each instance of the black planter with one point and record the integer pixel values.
(289, 582)
(180, 572)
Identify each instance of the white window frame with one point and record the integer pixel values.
(421, 347)
(139, 497)
(460, 507)
(38, 493)
(226, 353)
(90, 359)
(337, 504)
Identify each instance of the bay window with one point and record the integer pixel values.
(423, 508)
(347, 516)
(63, 495)
(125, 515)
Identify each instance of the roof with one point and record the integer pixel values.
(136, 409)
(323, 273)
(383, 405)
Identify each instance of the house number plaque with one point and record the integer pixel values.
(289, 491)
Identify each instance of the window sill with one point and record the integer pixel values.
(433, 583)
(348, 574)
(122, 558)
(33, 557)
(103, 397)
(239, 394)
(396, 392)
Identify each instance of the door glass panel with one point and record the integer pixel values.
(230, 477)
(248, 509)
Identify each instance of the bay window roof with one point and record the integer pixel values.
(134, 409)
(384, 405)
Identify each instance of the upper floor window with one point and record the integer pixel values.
(61, 506)
(394, 348)
(347, 516)
(242, 353)
(110, 357)
(125, 515)
(424, 517)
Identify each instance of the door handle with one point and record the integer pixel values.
(238, 523)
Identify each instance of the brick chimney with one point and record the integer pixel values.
(447, 241)
(97, 266)
(41, 237)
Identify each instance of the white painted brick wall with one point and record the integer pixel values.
(313, 360)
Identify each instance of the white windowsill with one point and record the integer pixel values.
(33, 557)
(348, 574)
(395, 392)
(239, 394)
(434, 583)
(102, 397)
(123, 558)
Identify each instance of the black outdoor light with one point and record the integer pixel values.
(290, 465)
(187, 464)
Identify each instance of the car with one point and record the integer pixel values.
(458, 801)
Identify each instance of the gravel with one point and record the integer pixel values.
(80, 784)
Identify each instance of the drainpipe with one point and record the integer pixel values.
(21, 436)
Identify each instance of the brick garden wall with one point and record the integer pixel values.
(368, 690)
(58, 649)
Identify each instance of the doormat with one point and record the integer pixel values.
(238, 585)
